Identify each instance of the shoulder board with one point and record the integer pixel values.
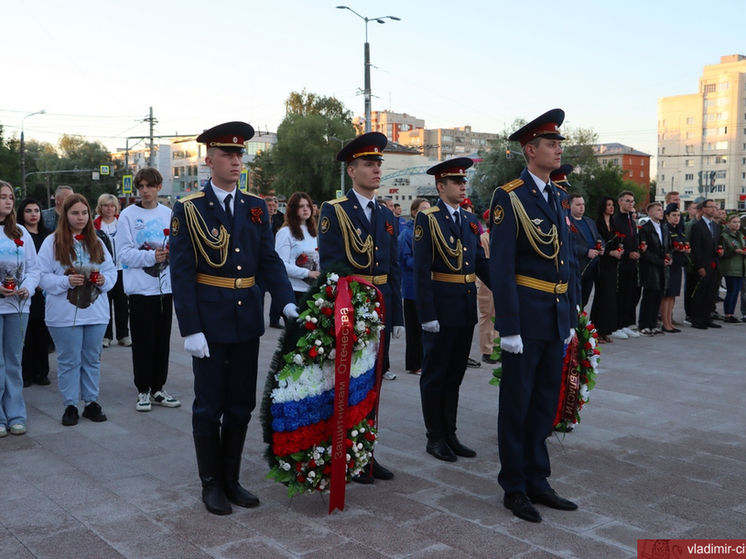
(560, 187)
(337, 200)
(250, 194)
(430, 210)
(512, 185)
(194, 196)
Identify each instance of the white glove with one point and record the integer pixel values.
(397, 332)
(512, 344)
(569, 338)
(433, 326)
(196, 345)
(290, 310)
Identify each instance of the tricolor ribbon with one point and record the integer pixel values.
(343, 330)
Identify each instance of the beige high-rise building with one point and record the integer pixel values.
(702, 137)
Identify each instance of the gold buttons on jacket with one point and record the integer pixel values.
(238, 267)
(237, 249)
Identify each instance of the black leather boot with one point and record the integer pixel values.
(436, 444)
(210, 473)
(231, 448)
(450, 411)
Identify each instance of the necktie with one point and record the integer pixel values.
(227, 203)
(550, 196)
(713, 230)
(455, 218)
(372, 206)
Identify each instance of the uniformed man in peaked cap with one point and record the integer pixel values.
(221, 243)
(448, 257)
(358, 232)
(530, 268)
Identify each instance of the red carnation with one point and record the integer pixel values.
(312, 464)
(298, 466)
(329, 291)
(589, 327)
(79, 237)
(327, 311)
(348, 443)
(594, 335)
(310, 326)
(313, 352)
(327, 469)
(585, 363)
(18, 242)
(166, 232)
(713, 265)
(351, 465)
(301, 479)
(587, 345)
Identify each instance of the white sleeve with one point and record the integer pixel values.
(127, 250)
(284, 247)
(51, 274)
(31, 266)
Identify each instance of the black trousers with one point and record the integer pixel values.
(704, 296)
(649, 307)
(224, 386)
(120, 316)
(413, 336)
(528, 400)
(627, 297)
(150, 318)
(444, 364)
(35, 360)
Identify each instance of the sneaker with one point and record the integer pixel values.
(161, 398)
(106, 342)
(3, 431)
(687, 321)
(126, 341)
(388, 375)
(657, 330)
(743, 319)
(716, 316)
(630, 333)
(143, 401)
(71, 416)
(730, 320)
(17, 429)
(473, 363)
(619, 335)
(93, 412)
(646, 332)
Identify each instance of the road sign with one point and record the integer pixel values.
(127, 184)
(104, 170)
(243, 181)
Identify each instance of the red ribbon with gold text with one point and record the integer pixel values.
(343, 330)
(570, 391)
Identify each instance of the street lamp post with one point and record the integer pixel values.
(366, 91)
(23, 151)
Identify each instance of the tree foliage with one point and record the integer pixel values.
(263, 172)
(304, 155)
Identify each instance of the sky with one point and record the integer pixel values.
(96, 67)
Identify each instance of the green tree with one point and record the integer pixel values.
(304, 155)
(10, 163)
(263, 172)
(500, 163)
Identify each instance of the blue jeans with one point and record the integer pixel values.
(12, 332)
(78, 361)
(733, 290)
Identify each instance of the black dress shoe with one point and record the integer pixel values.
(488, 359)
(27, 383)
(730, 320)
(93, 412)
(440, 450)
(699, 326)
(713, 325)
(473, 363)
(520, 506)
(240, 496)
(70, 417)
(365, 477)
(458, 449)
(379, 472)
(550, 499)
(275, 325)
(671, 331)
(43, 381)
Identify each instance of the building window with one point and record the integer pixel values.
(663, 151)
(721, 159)
(710, 88)
(688, 192)
(724, 86)
(690, 120)
(663, 177)
(642, 162)
(689, 135)
(689, 177)
(689, 163)
(663, 163)
(642, 173)
(721, 145)
(720, 174)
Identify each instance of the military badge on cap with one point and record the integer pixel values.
(368, 146)
(229, 136)
(546, 126)
(451, 169)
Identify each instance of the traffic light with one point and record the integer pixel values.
(508, 155)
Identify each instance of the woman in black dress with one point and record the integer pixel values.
(35, 360)
(603, 311)
(678, 256)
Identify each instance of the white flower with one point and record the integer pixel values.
(348, 457)
(311, 475)
(332, 354)
(360, 326)
(353, 433)
(321, 350)
(333, 278)
(584, 392)
(298, 359)
(286, 466)
(359, 446)
(362, 429)
(374, 314)
(314, 319)
(317, 342)
(378, 305)
(319, 302)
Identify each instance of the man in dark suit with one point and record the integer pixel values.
(530, 268)
(704, 238)
(51, 216)
(220, 244)
(587, 245)
(448, 257)
(628, 290)
(358, 232)
(655, 257)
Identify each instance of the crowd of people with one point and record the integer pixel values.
(76, 281)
